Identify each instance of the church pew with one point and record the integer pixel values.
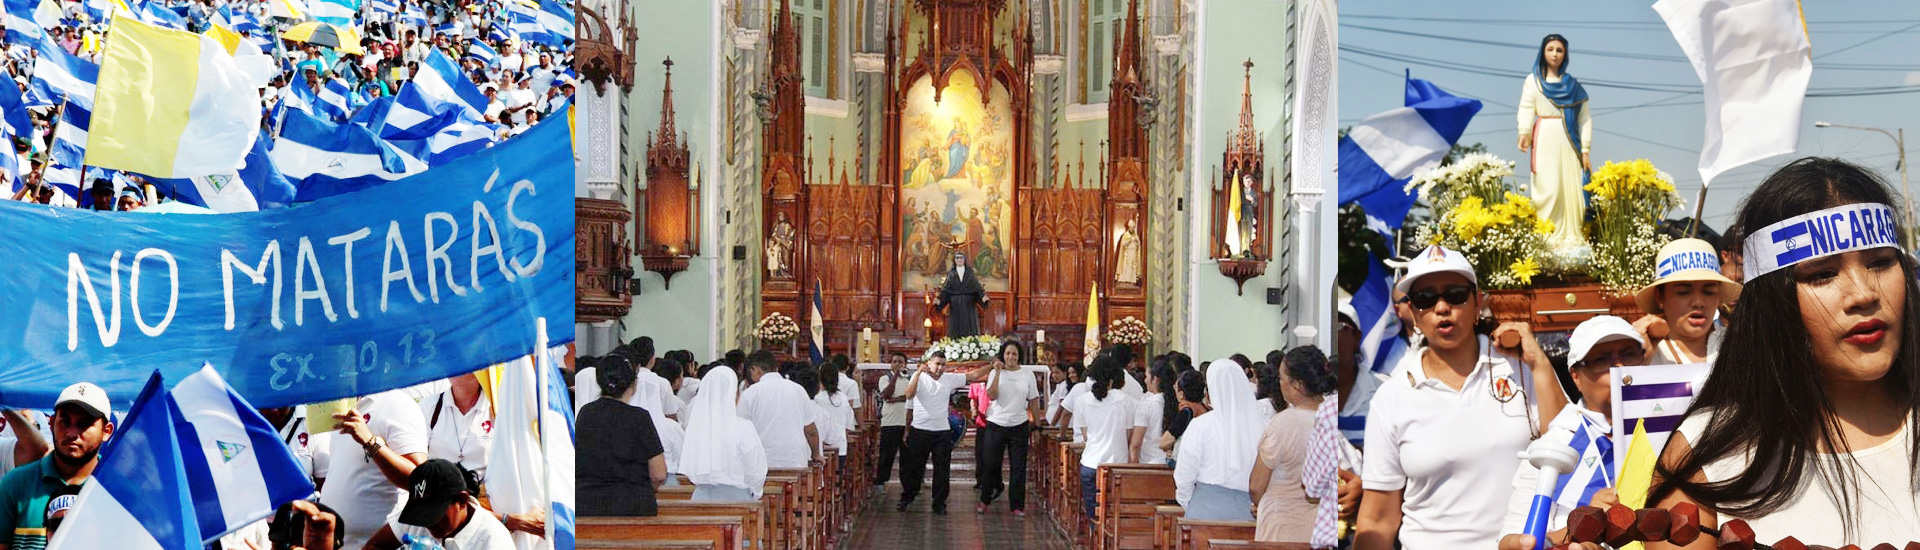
(1073, 512)
(780, 527)
(1227, 544)
(1128, 494)
(808, 527)
(647, 544)
(1166, 526)
(753, 516)
(1199, 534)
(722, 532)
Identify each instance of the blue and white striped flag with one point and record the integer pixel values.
(21, 26)
(440, 78)
(413, 17)
(817, 351)
(70, 138)
(478, 49)
(63, 76)
(255, 185)
(13, 112)
(499, 33)
(1382, 153)
(141, 496)
(324, 159)
(1658, 394)
(1595, 470)
(333, 99)
(243, 471)
(449, 28)
(386, 6)
(337, 12)
(557, 19)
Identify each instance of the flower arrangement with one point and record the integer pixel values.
(1628, 200)
(1479, 214)
(971, 348)
(1128, 331)
(777, 327)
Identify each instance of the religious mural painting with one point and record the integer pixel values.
(956, 182)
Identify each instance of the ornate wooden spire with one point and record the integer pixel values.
(1245, 145)
(786, 123)
(1125, 130)
(663, 153)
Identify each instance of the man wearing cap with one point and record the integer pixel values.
(80, 424)
(442, 508)
(1596, 346)
(1685, 295)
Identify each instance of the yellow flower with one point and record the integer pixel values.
(1543, 226)
(1524, 270)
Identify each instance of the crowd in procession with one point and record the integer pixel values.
(414, 84)
(1239, 450)
(1802, 429)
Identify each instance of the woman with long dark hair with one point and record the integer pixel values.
(1280, 483)
(1107, 414)
(1444, 434)
(1556, 129)
(1192, 403)
(1013, 401)
(1804, 429)
(1154, 410)
(620, 457)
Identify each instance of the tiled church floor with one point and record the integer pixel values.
(880, 527)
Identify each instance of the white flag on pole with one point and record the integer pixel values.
(1754, 61)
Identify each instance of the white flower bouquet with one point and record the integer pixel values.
(777, 327)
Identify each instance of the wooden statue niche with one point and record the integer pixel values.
(1243, 199)
(672, 197)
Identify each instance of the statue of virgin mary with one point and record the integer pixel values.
(1556, 129)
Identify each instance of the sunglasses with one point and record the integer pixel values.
(1425, 299)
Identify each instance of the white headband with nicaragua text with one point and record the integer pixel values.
(1819, 234)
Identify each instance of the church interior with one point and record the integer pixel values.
(1099, 159)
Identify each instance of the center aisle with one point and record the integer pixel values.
(879, 526)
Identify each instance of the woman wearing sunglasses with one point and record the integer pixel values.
(1445, 430)
(1686, 295)
(1804, 429)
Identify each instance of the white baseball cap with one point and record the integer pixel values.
(1599, 330)
(1435, 259)
(87, 395)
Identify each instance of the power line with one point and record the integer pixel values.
(1622, 23)
(1854, 91)
(1863, 67)
(1864, 42)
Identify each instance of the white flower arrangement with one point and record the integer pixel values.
(1478, 213)
(1128, 331)
(971, 348)
(777, 327)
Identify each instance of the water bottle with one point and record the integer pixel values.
(410, 542)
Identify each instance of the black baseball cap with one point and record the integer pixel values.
(432, 486)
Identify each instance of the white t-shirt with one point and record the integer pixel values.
(834, 416)
(1149, 415)
(295, 436)
(1109, 422)
(655, 394)
(355, 487)
(1885, 503)
(586, 387)
(780, 412)
(1016, 388)
(852, 390)
(929, 400)
(894, 414)
(462, 438)
(1054, 398)
(1452, 451)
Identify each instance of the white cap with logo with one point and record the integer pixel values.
(87, 395)
(1435, 259)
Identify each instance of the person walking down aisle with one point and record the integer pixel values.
(931, 435)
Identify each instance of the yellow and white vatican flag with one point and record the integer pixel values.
(290, 9)
(170, 104)
(1092, 345)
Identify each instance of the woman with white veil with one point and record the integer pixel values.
(722, 457)
(1217, 456)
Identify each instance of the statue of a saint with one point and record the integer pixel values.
(962, 296)
(1127, 256)
(1249, 214)
(780, 249)
(1556, 129)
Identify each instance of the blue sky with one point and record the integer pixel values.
(1855, 45)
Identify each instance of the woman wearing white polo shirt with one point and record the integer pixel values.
(1805, 427)
(1107, 414)
(1686, 294)
(1445, 429)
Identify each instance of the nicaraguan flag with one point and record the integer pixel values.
(525, 21)
(155, 13)
(104, 10)
(556, 22)
(557, 436)
(448, 28)
(1385, 151)
(333, 99)
(413, 17)
(244, 471)
(415, 115)
(818, 351)
(1658, 394)
(440, 78)
(337, 12)
(499, 33)
(21, 26)
(324, 159)
(1595, 469)
(140, 497)
(255, 185)
(386, 6)
(70, 138)
(13, 112)
(60, 76)
(478, 49)
(301, 98)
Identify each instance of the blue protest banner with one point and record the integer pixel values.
(437, 274)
